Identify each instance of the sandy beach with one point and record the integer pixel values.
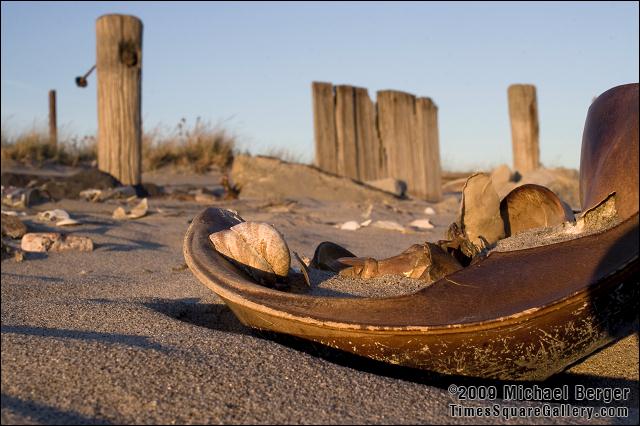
(126, 334)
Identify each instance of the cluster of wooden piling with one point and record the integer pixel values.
(396, 137)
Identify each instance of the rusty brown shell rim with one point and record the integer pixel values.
(410, 313)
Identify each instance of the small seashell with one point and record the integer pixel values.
(429, 210)
(268, 242)
(351, 225)
(259, 247)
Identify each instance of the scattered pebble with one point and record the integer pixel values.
(429, 210)
(12, 226)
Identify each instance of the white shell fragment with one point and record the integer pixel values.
(421, 224)
(137, 212)
(258, 246)
(366, 223)
(429, 211)
(55, 215)
(351, 225)
(389, 225)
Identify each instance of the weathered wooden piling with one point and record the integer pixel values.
(429, 156)
(324, 124)
(370, 162)
(523, 112)
(346, 132)
(119, 69)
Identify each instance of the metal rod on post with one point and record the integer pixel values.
(53, 126)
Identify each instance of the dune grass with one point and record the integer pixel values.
(191, 148)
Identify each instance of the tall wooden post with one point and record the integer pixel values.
(346, 132)
(119, 68)
(367, 140)
(324, 125)
(523, 111)
(428, 151)
(53, 126)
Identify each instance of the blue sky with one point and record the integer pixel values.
(250, 66)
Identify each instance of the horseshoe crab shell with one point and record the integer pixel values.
(519, 315)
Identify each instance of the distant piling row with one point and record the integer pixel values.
(398, 136)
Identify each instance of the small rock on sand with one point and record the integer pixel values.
(40, 242)
(12, 226)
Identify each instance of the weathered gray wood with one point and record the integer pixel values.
(346, 132)
(523, 112)
(324, 125)
(119, 67)
(427, 134)
(368, 143)
(396, 124)
(53, 120)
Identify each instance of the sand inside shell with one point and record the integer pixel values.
(329, 284)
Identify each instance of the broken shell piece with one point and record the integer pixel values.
(366, 223)
(137, 212)
(429, 210)
(304, 268)
(388, 224)
(258, 247)
(326, 257)
(351, 225)
(600, 216)
(426, 262)
(140, 209)
(119, 213)
(480, 211)
(40, 242)
(532, 206)
(421, 224)
(67, 222)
